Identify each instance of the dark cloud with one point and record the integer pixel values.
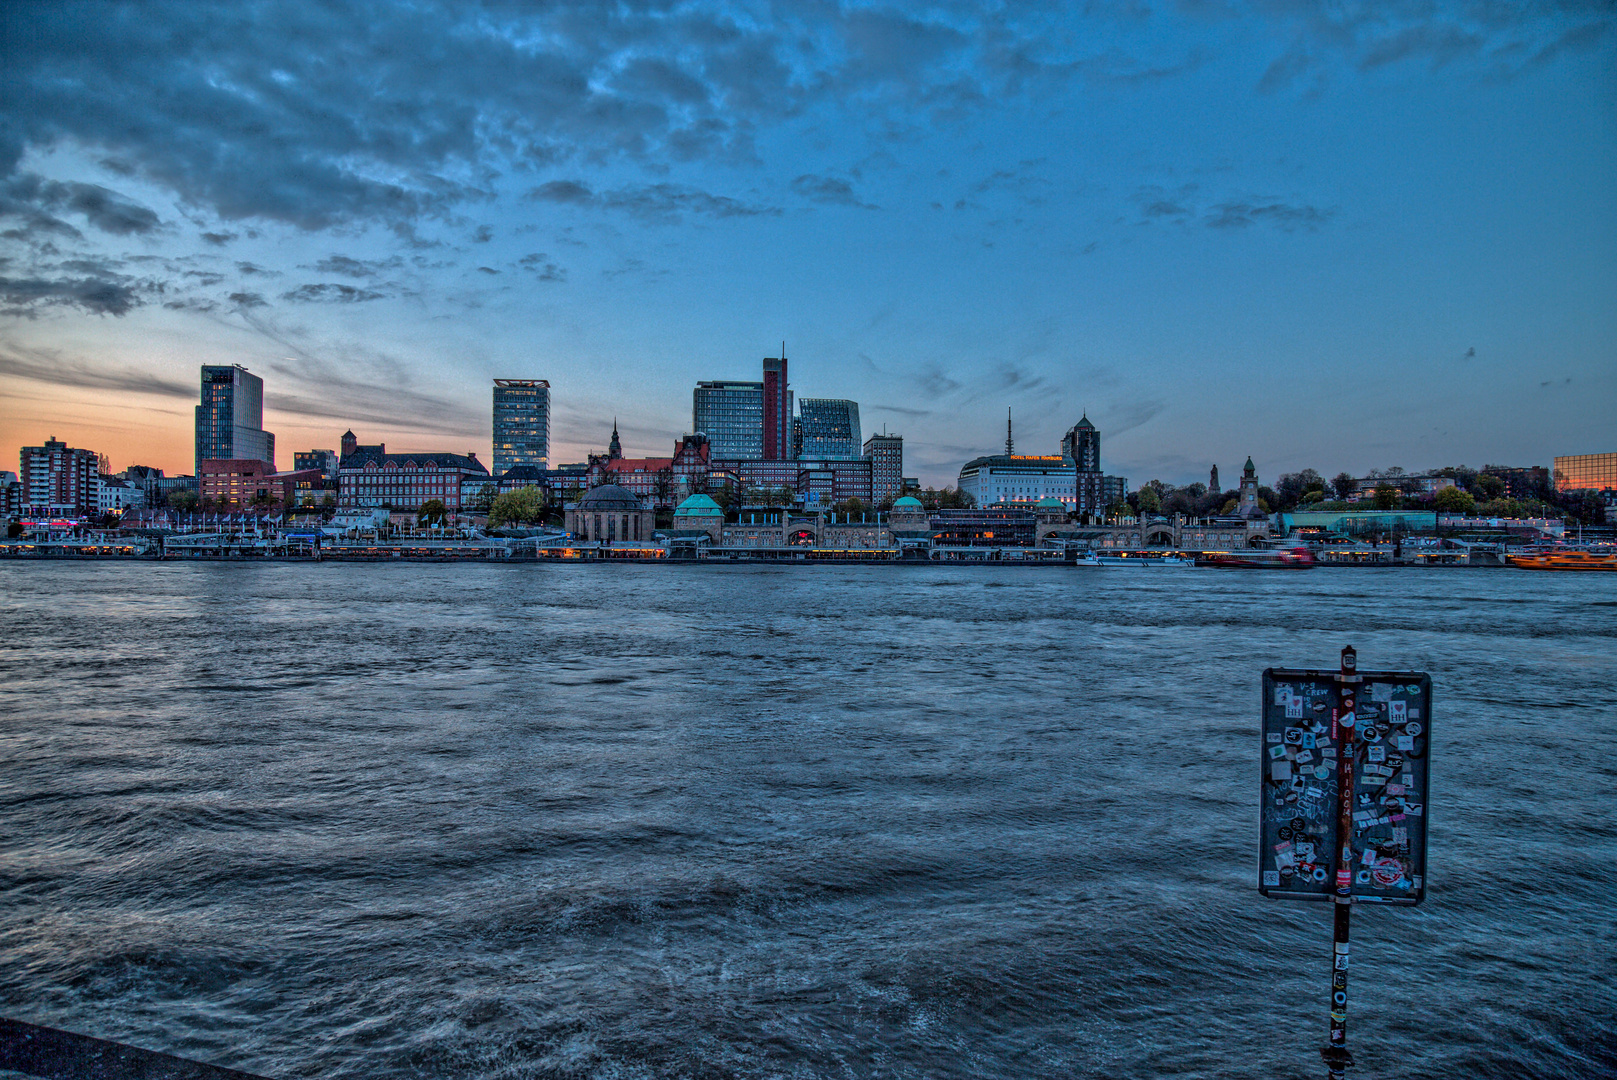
(1470, 354)
(99, 296)
(652, 202)
(1130, 416)
(251, 268)
(219, 239)
(901, 411)
(330, 293)
(248, 299)
(362, 387)
(483, 235)
(488, 270)
(1285, 216)
(357, 268)
(828, 189)
(51, 367)
(37, 200)
(540, 265)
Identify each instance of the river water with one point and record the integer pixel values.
(688, 821)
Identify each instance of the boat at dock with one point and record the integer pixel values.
(1135, 560)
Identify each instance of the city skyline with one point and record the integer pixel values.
(1322, 239)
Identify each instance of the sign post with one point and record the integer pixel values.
(1344, 787)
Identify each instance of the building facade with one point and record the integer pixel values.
(610, 514)
(1586, 472)
(230, 418)
(58, 478)
(886, 456)
(1074, 476)
(371, 477)
(521, 423)
(324, 460)
(232, 483)
(731, 415)
(827, 429)
(777, 432)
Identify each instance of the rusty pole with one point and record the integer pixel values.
(1344, 727)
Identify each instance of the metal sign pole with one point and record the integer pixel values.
(1344, 725)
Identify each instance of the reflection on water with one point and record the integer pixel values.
(690, 821)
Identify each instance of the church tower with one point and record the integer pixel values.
(614, 449)
(1212, 482)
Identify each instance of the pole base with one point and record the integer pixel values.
(1337, 1058)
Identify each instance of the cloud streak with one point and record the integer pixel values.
(50, 367)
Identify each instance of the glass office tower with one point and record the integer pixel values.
(731, 415)
(230, 419)
(830, 429)
(521, 424)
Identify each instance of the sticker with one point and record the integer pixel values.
(1398, 713)
(1308, 741)
(1294, 708)
(1273, 736)
(1387, 873)
(1294, 736)
(1319, 874)
(1280, 770)
(1282, 693)
(1305, 757)
(1271, 878)
(1322, 772)
(1380, 691)
(1404, 742)
(1377, 753)
(1413, 727)
(1277, 752)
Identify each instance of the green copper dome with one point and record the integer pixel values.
(699, 506)
(908, 502)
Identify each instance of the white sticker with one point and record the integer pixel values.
(1282, 693)
(1271, 878)
(1377, 753)
(1404, 742)
(1273, 736)
(1294, 708)
(1280, 770)
(1398, 713)
(1380, 691)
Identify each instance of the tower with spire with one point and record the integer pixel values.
(614, 449)
(1010, 445)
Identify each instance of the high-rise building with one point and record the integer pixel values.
(777, 410)
(1081, 446)
(230, 419)
(57, 478)
(521, 423)
(886, 456)
(830, 428)
(731, 415)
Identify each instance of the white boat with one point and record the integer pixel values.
(1136, 561)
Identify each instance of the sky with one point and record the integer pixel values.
(1340, 235)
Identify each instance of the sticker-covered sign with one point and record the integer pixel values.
(1307, 729)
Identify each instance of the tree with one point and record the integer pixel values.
(103, 464)
(663, 486)
(433, 512)
(852, 507)
(484, 498)
(1489, 486)
(1451, 500)
(1150, 502)
(1292, 486)
(1118, 508)
(183, 500)
(1343, 484)
(523, 506)
(1386, 496)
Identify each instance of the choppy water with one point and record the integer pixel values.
(620, 821)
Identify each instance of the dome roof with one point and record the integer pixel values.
(1049, 502)
(609, 497)
(699, 506)
(908, 502)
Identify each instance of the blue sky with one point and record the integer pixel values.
(1336, 235)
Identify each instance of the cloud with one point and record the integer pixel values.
(248, 299)
(901, 411)
(1286, 216)
(99, 296)
(330, 293)
(1470, 354)
(1130, 416)
(652, 202)
(356, 268)
(51, 367)
(828, 189)
(540, 265)
(219, 239)
(32, 197)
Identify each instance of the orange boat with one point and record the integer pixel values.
(1565, 560)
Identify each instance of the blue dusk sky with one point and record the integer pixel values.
(1343, 235)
